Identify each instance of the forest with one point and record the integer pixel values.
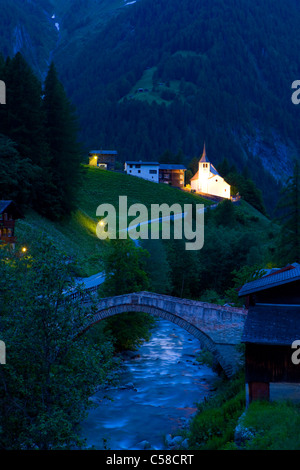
(39, 152)
(226, 70)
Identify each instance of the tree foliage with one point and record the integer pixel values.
(289, 208)
(125, 268)
(41, 126)
(51, 368)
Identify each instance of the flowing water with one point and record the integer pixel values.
(157, 394)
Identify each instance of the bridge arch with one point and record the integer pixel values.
(204, 340)
(197, 318)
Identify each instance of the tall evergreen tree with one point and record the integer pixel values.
(23, 121)
(289, 203)
(17, 175)
(61, 134)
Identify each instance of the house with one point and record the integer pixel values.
(9, 213)
(208, 181)
(157, 172)
(105, 159)
(271, 328)
(172, 174)
(146, 170)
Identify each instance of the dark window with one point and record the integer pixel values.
(153, 172)
(139, 171)
(138, 166)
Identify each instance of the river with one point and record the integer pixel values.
(159, 387)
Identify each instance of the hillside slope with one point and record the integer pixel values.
(234, 236)
(76, 235)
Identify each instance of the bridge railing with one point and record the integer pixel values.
(83, 295)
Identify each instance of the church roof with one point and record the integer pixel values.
(196, 176)
(213, 170)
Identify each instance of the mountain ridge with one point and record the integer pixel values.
(231, 86)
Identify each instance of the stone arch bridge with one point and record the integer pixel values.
(218, 328)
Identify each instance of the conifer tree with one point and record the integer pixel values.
(289, 203)
(24, 116)
(22, 121)
(61, 134)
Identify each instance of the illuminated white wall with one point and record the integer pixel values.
(143, 170)
(210, 183)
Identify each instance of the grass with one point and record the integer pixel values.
(264, 425)
(76, 236)
(152, 94)
(214, 425)
(273, 425)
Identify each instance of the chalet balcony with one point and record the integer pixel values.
(7, 223)
(5, 239)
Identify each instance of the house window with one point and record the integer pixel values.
(153, 172)
(139, 171)
(130, 166)
(137, 166)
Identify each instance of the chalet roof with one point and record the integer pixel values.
(167, 166)
(103, 152)
(275, 278)
(141, 163)
(272, 324)
(4, 205)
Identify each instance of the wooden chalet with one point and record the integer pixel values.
(105, 159)
(9, 213)
(172, 174)
(271, 327)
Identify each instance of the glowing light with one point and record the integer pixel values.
(24, 249)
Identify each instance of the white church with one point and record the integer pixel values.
(208, 181)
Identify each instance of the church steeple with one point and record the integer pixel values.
(204, 158)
